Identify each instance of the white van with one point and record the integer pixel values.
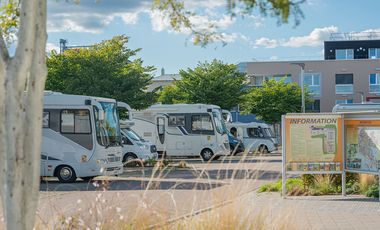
(184, 130)
(256, 137)
(81, 137)
(134, 147)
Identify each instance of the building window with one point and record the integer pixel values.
(287, 77)
(344, 101)
(257, 80)
(314, 107)
(344, 83)
(343, 54)
(374, 83)
(313, 82)
(374, 53)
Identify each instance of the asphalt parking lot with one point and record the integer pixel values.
(196, 176)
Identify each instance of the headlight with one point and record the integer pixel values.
(101, 161)
(144, 146)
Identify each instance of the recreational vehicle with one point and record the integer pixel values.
(365, 108)
(81, 137)
(184, 130)
(134, 147)
(256, 137)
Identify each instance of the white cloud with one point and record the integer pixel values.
(92, 16)
(266, 42)
(130, 18)
(207, 4)
(256, 21)
(273, 58)
(51, 46)
(315, 38)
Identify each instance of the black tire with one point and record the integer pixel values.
(263, 150)
(130, 157)
(207, 154)
(66, 174)
(87, 179)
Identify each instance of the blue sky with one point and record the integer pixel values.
(252, 38)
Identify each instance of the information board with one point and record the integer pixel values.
(313, 142)
(362, 145)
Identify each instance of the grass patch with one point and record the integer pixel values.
(316, 185)
(293, 186)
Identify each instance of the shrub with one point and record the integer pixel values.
(373, 191)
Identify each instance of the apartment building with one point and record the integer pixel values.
(350, 72)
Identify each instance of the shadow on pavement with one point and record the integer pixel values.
(125, 185)
(213, 174)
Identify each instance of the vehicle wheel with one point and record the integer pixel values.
(206, 154)
(131, 158)
(87, 179)
(263, 150)
(66, 174)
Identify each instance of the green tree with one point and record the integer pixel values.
(210, 83)
(105, 70)
(274, 99)
(9, 19)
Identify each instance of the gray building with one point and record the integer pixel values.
(330, 81)
(350, 73)
(163, 80)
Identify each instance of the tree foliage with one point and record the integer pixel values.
(9, 19)
(105, 70)
(210, 83)
(274, 99)
(179, 16)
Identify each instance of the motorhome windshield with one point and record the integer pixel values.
(131, 134)
(269, 132)
(219, 123)
(107, 130)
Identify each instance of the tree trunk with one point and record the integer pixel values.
(22, 79)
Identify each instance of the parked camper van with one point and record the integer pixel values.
(184, 130)
(81, 137)
(256, 137)
(134, 147)
(365, 108)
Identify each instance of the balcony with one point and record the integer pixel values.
(374, 88)
(344, 89)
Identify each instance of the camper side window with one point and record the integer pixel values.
(176, 120)
(201, 123)
(46, 120)
(255, 132)
(75, 121)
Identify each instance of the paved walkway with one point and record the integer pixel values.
(319, 212)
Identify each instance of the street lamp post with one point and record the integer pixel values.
(302, 65)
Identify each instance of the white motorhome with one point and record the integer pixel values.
(134, 147)
(365, 108)
(184, 130)
(81, 137)
(256, 137)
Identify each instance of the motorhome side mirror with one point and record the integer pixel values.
(101, 115)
